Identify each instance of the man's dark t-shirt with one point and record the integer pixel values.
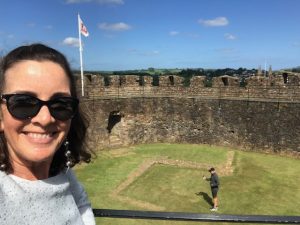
(214, 181)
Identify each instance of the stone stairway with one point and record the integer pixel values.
(115, 141)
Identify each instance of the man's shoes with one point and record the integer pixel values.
(214, 209)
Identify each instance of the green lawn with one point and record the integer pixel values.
(259, 184)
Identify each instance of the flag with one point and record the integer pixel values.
(82, 27)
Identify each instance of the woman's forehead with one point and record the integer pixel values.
(36, 76)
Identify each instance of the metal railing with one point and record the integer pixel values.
(182, 216)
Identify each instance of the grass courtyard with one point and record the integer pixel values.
(168, 177)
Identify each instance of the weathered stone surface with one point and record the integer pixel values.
(260, 116)
(252, 125)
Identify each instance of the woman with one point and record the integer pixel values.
(42, 136)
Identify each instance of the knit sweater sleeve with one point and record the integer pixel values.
(81, 199)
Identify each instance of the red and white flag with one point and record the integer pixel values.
(82, 27)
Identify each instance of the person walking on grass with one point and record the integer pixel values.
(214, 185)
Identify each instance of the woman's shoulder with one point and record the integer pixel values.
(2, 178)
(2, 174)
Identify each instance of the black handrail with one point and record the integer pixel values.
(182, 216)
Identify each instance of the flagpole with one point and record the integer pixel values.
(80, 52)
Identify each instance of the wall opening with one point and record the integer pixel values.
(113, 119)
(141, 81)
(225, 81)
(89, 77)
(155, 80)
(122, 80)
(285, 78)
(106, 81)
(171, 79)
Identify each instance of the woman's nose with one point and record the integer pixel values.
(44, 116)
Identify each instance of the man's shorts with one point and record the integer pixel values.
(214, 192)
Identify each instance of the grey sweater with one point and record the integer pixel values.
(57, 200)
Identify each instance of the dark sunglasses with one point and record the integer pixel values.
(23, 106)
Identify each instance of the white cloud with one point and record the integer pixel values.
(114, 26)
(217, 22)
(117, 2)
(173, 33)
(229, 36)
(71, 41)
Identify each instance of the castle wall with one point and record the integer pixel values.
(246, 124)
(125, 110)
(258, 88)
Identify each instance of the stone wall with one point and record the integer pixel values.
(275, 88)
(259, 117)
(254, 125)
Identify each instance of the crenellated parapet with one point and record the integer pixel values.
(170, 81)
(132, 80)
(274, 86)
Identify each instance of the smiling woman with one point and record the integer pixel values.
(42, 137)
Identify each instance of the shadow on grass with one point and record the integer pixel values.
(206, 197)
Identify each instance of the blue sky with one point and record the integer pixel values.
(138, 34)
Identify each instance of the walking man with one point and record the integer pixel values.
(214, 185)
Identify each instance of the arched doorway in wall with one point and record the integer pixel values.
(115, 129)
(114, 118)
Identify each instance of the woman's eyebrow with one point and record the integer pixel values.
(54, 95)
(24, 92)
(61, 94)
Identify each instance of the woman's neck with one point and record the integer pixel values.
(32, 172)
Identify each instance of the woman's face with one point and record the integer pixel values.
(35, 140)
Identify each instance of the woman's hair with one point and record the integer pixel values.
(77, 134)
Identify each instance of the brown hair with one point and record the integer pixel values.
(77, 134)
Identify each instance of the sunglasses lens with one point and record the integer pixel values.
(23, 106)
(63, 108)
